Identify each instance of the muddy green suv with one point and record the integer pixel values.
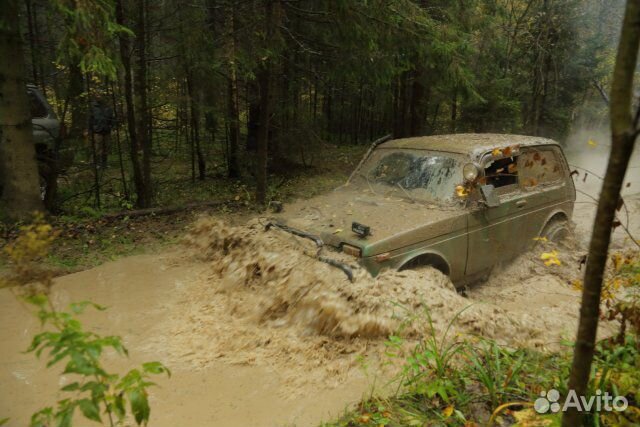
(460, 203)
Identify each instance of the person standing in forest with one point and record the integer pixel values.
(101, 122)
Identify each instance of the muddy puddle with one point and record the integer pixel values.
(141, 294)
(257, 333)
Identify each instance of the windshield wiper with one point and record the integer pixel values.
(368, 182)
(406, 192)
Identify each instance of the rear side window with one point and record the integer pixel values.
(38, 109)
(539, 167)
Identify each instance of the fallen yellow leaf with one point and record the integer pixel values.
(592, 143)
(337, 230)
(576, 284)
(447, 411)
(364, 418)
(529, 418)
(550, 258)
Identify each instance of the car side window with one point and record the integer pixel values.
(502, 172)
(539, 167)
(38, 110)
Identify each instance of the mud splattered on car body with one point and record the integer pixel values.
(420, 209)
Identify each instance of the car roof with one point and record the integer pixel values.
(472, 144)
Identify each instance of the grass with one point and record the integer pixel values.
(473, 381)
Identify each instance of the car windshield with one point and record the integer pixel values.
(414, 174)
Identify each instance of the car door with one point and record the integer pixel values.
(495, 233)
(544, 185)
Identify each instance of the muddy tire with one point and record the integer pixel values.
(429, 270)
(558, 231)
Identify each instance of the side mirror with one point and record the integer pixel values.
(489, 195)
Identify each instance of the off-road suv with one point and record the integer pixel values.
(460, 203)
(45, 124)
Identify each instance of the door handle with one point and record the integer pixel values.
(521, 203)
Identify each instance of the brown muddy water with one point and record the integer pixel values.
(140, 292)
(258, 334)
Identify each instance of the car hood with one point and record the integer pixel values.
(394, 221)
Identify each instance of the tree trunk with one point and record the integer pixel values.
(20, 192)
(327, 100)
(264, 83)
(145, 197)
(623, 134)
(233, 168)
(416, 110)
(253, 117)
(125, 55)
(454, 111)
(78, 109)
(32, 44)
(116, 110)
(264, 77)
(542, 69)
(195, 127)
(94, 150)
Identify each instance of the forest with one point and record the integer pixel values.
(246, 91)
(338, 213)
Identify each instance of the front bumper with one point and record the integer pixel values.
(345, 268)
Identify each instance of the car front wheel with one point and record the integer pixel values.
(557, 231)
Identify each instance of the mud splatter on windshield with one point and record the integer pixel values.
(417, 174)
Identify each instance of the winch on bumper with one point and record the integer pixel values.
(346, 269)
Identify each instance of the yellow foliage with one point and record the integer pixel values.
(617, 278)
(31, 245)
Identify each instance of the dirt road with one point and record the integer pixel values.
(257, 334)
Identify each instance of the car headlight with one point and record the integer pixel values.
(351, 250)
(470, 171)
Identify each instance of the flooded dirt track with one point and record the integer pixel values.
(257, 333)
(139, 292)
